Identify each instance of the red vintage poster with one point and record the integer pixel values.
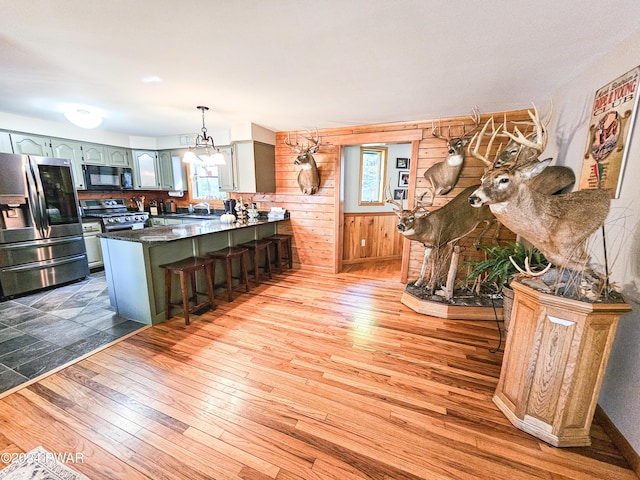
(612, 118)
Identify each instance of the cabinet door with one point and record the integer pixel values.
(73, 151)
(227, 174)
(145, 166)
(93, 154)
(5, 143)
(166, 170)
(118, 157)
(179, 170)
(31, 145)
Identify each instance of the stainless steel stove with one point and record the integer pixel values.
(113, 214)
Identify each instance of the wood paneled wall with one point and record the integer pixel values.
(380, 232)
(316, 222)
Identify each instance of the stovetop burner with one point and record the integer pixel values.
(114, 214)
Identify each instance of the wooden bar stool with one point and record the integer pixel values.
(282, 242)
(186, 269)
(256, 246)
(227, 255)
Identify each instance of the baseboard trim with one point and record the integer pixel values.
(623, 445)
(371, 259)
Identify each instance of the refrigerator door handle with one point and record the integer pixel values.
(43, 264)
(40, 243)
(34, 199)
(42, 205)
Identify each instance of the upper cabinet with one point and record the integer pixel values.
(94, 154)
(146, 170)
(118, 157)
(73, 151)
(171, 170)
(228, 173)
(31, 145)
(254, 167)
(5, 143)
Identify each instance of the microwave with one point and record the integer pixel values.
(98, 177)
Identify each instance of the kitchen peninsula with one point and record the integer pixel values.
(132, 259)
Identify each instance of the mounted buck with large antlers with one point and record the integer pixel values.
(558, 225)
(309, 177)
(444, 226)
(443, 176)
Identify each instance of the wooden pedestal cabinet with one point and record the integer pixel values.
(554, 362)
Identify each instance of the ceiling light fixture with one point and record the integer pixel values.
(83, 118)
(211, 154)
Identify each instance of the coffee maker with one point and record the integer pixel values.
(229, 205)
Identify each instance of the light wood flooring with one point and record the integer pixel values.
(309, 376)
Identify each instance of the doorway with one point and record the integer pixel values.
(371, 244)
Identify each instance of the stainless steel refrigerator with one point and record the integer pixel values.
(41, 242)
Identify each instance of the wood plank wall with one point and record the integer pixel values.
(315, 219)
(380, 232)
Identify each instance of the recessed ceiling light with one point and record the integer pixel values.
(151, 79)
(83, 118)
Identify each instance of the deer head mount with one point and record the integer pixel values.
(558, 225)
(308, 177)
(441, 227)
(443, 176)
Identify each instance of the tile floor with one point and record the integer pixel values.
(42, 331)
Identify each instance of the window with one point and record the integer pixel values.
(204, 183)
(373, 173)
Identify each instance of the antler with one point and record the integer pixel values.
(311, 147)
(527, 267)
(477, 139)
(541, 132)
(388, 198)
(436, 131)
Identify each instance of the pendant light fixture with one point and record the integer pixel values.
(204, 152)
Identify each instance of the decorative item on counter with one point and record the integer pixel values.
(276, 213)
(191, 209)
(139, 203)
(241, 209)
(153, 207)
(170, 206)
(229, 207)
(253, 213)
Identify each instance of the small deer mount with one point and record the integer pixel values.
(309, 177)
(443, 176)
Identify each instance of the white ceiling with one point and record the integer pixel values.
(293, 64)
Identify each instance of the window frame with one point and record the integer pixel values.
(382, 175)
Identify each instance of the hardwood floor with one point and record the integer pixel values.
(310, 376)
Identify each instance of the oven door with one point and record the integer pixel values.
(119, 228)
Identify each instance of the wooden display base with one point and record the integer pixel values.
(554, 361)
(450, 311)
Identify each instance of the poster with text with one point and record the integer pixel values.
(610, 126)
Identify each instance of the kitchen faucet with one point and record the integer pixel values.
(203, 205)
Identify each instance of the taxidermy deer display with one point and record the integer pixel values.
(444, 226)
(558, 225)
(309, 177)
(443, 176)
(524, 150)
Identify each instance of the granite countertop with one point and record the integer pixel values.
(170, 233)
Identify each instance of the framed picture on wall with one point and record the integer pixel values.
(403, 179)
(402, 162)
(610, 127)
(400, 194)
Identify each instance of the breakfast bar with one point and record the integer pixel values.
(132, 259)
